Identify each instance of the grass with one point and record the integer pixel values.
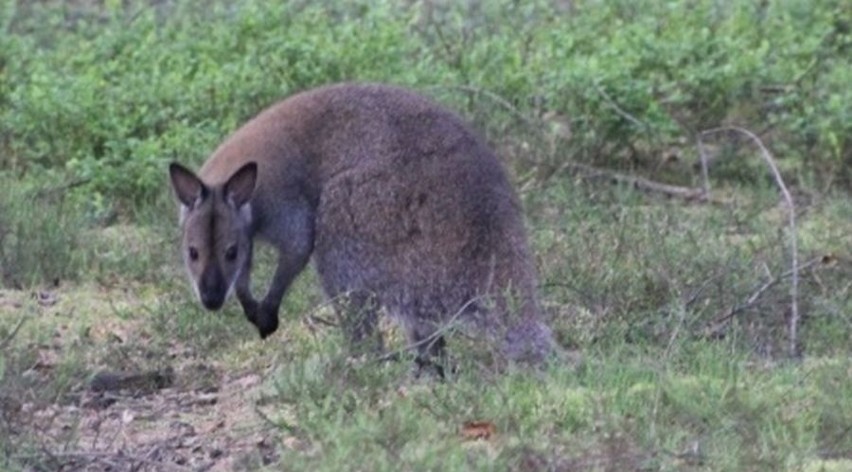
(693, 405)
(650, 393)
(656, 374)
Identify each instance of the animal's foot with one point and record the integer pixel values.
(266, 320)
(428, 368)
(263, 316)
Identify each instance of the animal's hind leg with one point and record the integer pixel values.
(430, 345)
(359, 313)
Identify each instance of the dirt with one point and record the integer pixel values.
(174, 428)
(190, 414)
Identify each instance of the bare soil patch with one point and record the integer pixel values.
(98, 393)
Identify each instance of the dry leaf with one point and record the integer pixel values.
(828, 259)
(472, 430)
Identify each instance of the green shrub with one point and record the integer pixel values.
(112, 94)
(113, 101)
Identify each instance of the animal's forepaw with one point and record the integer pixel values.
(267, 328)
(266, 320)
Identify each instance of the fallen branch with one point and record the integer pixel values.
(793, 326)
(640, 183)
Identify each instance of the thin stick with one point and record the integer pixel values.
(618, 110)
(686, 193)
(13, 333)
(705, 166)
(793, 327)
(755, 296)
(61, 189)
(428, 339)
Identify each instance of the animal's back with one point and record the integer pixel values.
(408, 206)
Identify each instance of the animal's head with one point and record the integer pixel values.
(215, 221)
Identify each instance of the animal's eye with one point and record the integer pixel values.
(231, 253)
(193, 254)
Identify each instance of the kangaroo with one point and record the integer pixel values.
(401, 205)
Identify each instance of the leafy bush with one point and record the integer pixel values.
(111, 94)
(113, 100)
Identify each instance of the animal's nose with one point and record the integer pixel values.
(211, 288)
(212, 301)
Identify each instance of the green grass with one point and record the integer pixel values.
(96, 98)
(686, 405)
(650, 392)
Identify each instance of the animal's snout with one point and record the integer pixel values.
(212, 301)
(212, 290)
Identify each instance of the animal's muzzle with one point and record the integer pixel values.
(212, 289)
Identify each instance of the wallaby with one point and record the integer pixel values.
(402, 206)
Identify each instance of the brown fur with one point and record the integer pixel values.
(401, 205)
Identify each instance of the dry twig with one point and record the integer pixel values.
(722, 321)
(640, 183)
(793, 326)
(5, 343)
(618, 110)
(428, 340)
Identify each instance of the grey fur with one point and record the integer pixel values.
(399, 203)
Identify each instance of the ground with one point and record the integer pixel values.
(196, 413)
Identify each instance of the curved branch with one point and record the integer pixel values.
(793, 326)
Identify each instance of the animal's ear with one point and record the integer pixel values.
(240, 187)
(188, 188)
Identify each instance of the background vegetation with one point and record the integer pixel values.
(679, 300)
